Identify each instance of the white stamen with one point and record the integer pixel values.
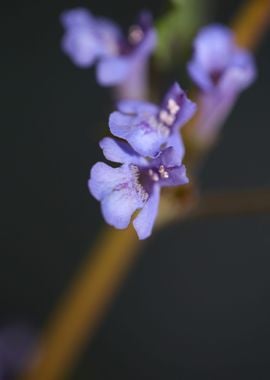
(173, 107)
(161, 169)
(166, 118)
(135, 34)
(154, 176)
(163, 173)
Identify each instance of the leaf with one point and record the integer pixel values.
(177, 27)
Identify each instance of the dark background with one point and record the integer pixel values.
(196, 304)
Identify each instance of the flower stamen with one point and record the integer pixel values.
(173, 107)
(135, 34)
(166, 117)
(154, 176)
(163, 173)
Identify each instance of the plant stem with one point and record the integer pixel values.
(81, 311)
(215, 204)
(232, 203)
(251, 23)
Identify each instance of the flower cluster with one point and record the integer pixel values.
(148, 147)
(88, 39)
(150, 158)
(148, 127)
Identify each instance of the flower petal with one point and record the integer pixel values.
(108, 29)
(137, 106)
(181, 107)
(200, 76)
(82, 46)
(144, 222)
(118, 207)
(146, 141)
(186, 113)
(104, 178)
(176, 142)
(148, 44)
(81, 41)
(240, 73)
(77, 17)
(141, 133)
(120, 151)
(213, 47)
(177, 177)
(120, 124)
(115, 188)
(113, 70)
(175, 92)
(109, 34)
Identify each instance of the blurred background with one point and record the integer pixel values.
(196, 304)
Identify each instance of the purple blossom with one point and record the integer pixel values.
(148, 127)
(86, 38)
(218, 63)
(222, 70)
(135, 185)
(89, 39)
(16, 343)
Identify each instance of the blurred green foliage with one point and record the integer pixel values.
(177, 28)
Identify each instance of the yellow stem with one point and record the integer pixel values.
(250, 23)
(83, 307)
(234, 202)
(77, 317)
(214, 204)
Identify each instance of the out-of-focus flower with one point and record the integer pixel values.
(135, 185)
(88, 39)
(148, 127)
(218, 63)
(16, 343)
(222, 70)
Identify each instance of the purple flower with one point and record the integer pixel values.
(148, 128)
(89, 39)
(135, 185)
(16, 343)
(222, 70)
(218, 63)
